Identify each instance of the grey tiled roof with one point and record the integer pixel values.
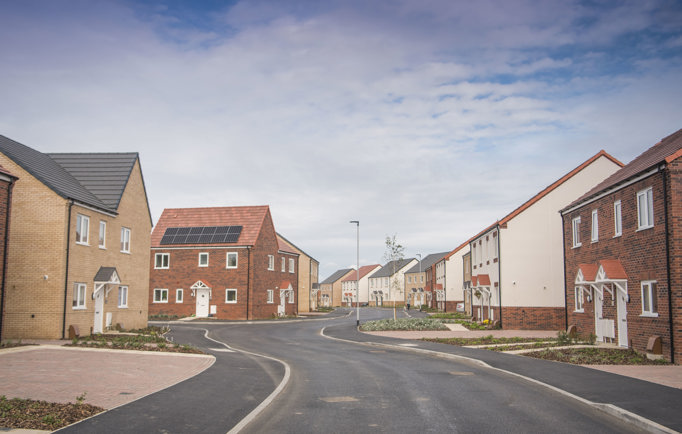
(105, 175)
(335, 276)
(97, 180)
(104, 274)
(428, 261)
(387, 270)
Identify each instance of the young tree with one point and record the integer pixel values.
(394, 254)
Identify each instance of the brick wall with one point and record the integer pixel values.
(532, 318)
(641, 252)
(5, 210)
(674, 173)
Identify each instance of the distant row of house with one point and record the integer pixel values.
(78, 255)
(598, 251)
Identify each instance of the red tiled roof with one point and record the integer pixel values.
(613, 269)
(439, 286)
(205, 283)
(667, 150)
(474, 280)
(284, 246)
(250, 218)
(589, 271)
(480, 280)
(364, 270)
(285, 285)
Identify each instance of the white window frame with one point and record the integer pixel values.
(645, 204)
(181, 293)
(495, 246)
(579, 299)
(163, 256)
(291, 297)
(595, 226)
(617, 219)
(82, 229)
(160, 298)
(271, 263)
(271, 296)
(575, 224)
(230, 291)
(80, 290)
(227, 260)
(123, 296)
(292, 265)
(649, 294)
(102, 234)
(284, 264)
(203, 254)
(125, 240)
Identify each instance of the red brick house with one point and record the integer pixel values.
(623, 254)
(221, 262)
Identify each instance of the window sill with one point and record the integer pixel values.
(162, 268)
(618, 235)
(643, 228)
(178, 302)
(579, 311)
(576, 246)
(594, 241)
(102, 247)
(127, 253)
(123, 307)
(649, 315)
(231, 302)
(79, 308)
(160, 302)
(78, 243)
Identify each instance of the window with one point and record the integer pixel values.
(576, 232)
(231, 260)
(125, 240)
(178, 295)
(160, 296)
(645, 209)
(203, 259)
(617, 219)
(79, 290)
(579, 299)
(409, 279)
(102, 234)
(122, 296)
(649, 298)
(595, 226)
(385, 281)
(284, 264)
(421, 278)
(291, 265)
(495, 246)
(291, 297)
(271, 262)
(230, 296)
(82, 228)
(271, 296)
(162, 260)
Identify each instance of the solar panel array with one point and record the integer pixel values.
(202, 235)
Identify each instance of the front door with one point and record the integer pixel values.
(203, 296)
(621, 305)
(281, 309)
(99, 311)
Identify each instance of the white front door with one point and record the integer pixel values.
(203, 296)
(598, 330)
(621, 306)
(282, 302)
(99, 311)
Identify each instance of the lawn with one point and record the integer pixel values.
(42, 415)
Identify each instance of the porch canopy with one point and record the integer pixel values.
(106, 276)
(200, 284)
(607, 274)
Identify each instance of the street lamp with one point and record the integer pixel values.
(357, 282)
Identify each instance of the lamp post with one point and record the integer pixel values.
(357, 282)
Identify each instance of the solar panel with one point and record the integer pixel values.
(202, 235)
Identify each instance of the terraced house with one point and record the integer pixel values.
(78, 243)
(623, 254)
(223, 262)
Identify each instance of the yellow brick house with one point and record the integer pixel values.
(79, 243)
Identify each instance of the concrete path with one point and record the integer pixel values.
(108, 378)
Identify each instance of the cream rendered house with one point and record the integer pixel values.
(349, 284)
(517, 273)
(388, 283)
(453, 275)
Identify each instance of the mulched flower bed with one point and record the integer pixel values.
(484, 340)
(595, 356)
(49, 416)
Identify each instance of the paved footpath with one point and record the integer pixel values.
(108, 378)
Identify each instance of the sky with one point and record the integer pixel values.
(424, 119)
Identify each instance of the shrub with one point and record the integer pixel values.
(418, 324)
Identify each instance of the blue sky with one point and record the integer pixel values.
(426, 119)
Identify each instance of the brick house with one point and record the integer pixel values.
(517, 262)
(6, 183)
(223, 262)
(420, 287)
(308, 275)
(331, 288)
(623, 254)
(79, 234)
(350, 283)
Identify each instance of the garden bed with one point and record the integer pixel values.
(596, 356)
(42, 415)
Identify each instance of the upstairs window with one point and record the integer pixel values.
(271, 262)
(284, 264)
(203, 259)
(292, 265)
(125, 240)
(595, 226)
(102, 234)
(645, 209)
(649, 298)
(161, 261)
(231, 260)
(576, 232)
(617, 219)
(82, 229)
